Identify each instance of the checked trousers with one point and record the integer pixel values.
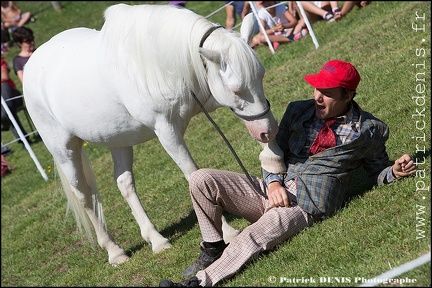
(214, 191)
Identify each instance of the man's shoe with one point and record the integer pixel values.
(191, 282)
(206, 257)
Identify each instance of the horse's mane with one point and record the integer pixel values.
(241, 57)
(160, 43)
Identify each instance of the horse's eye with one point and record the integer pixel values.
(231, 79)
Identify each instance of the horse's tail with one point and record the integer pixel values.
(81, 217)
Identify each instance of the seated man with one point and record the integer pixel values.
(306, 176)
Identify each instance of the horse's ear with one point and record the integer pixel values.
(247, 27)
(214, 57)
(210, 55)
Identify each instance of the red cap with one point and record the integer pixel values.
(335, 73)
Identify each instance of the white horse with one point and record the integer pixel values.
(134, 80)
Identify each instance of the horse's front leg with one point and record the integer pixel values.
(123, 159)
(173, 142)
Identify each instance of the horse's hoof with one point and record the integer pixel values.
(161, 246)
(120, 259)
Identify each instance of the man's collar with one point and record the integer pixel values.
(348, 117)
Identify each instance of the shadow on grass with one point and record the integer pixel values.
(181, 227)
(173, 232)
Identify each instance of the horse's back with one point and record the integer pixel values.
(123, 59)
(66, 49)
(114, 86)
(60, 59)
(69, 88)
(60, 68)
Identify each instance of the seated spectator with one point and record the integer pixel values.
(23, 37)
(246, 10)
(9, 91)
(233, 10)
(278, 24)
(5, 39)
(12, 15)
(349, 5)
(300, 30)
(322, 10)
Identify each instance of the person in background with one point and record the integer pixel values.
(6, 41)
(233, 10)
(12, 18)
(246, 10)
(349, 5)
(322, 10)
(23, 37)
(300, 30)
(9, 92)
(307, 176)
(278, 24)
(12, 15)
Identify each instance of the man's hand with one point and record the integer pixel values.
(277, 195)
(404, 166)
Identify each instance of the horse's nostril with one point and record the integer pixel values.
(264, 137)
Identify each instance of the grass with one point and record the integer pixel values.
(381, 228)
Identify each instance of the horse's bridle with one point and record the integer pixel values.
(244, 117)
(207, 34)
(253, 117)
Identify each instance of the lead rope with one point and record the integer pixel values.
(257, 189)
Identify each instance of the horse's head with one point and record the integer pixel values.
(235, 79)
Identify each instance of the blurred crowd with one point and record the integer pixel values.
(14, 32)
(282, 21)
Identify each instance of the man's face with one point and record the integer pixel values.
(331, 102)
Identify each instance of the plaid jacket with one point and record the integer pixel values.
(323, 178)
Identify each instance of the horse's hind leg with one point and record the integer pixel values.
(93, 207)
(123, 159)
(80, 188)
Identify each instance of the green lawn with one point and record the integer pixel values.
(381, 228)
